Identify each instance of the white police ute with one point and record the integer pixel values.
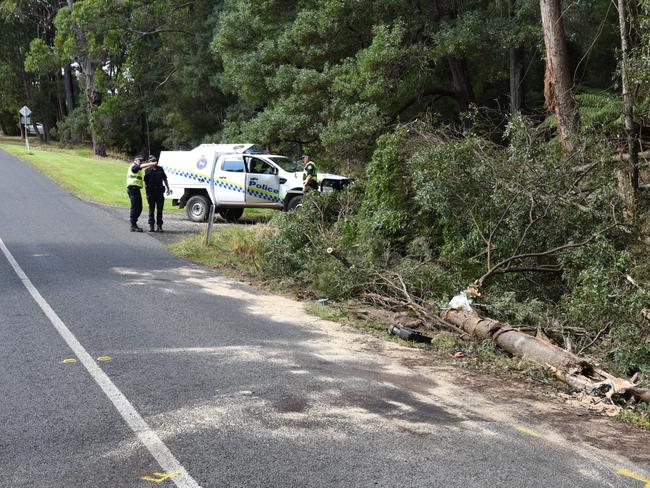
(244, 176)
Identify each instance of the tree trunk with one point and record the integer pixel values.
(558, 82)
(628, 190)
(572, 369)
(517, 89)
(93, 99)
(462, 83)
(68, 88)
(517, 55)
(511, 340)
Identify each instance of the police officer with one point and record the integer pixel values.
(134, 183)
(156, 183)
(309, 174)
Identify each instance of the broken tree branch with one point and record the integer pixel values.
(340, 257)
(503, 266)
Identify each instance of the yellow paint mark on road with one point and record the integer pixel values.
(630, 474)
(104, 358)
(69, 361)
(160, 477)
(526, 430)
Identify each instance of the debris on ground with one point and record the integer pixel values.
(591, 403)
(408, 334)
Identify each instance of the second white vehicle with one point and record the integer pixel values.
(244, 177)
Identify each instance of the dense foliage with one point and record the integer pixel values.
(438, 212)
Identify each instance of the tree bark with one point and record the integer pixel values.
(93, 99)
(68, 88)
(511, 340)
(568, 367)
(558, 82)
(517, 56)
(462, 83)
(628, 190)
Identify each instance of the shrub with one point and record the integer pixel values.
(74, 129)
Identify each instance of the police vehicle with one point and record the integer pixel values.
(245, 176)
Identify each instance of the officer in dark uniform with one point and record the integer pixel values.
(156, 184)
(134, 184)
(309, 174)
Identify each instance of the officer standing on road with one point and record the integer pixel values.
(309, 174)
(134, 183)
(156, 183)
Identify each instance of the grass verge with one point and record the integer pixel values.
(99, 180)
(639, 416)
(232, 249)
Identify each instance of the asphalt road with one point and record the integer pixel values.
(225, 385)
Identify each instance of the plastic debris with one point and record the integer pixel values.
(461, 302)
(458, 355)
(323, 301)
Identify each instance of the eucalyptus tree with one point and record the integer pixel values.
(27, 23)
(334, 74)
(143, 62)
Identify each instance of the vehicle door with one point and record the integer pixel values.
(230, 179)
(262, 181)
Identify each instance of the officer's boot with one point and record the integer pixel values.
(151, 229)
(160, 229)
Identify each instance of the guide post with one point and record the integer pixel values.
(24, 119)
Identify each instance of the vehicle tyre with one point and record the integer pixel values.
(231, 214)
(294, 203)
(198, 208)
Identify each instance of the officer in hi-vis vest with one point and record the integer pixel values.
(309, 174)
(134, 184)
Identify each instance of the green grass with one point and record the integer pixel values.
(100, 180)
(232, 248)
(639, 416)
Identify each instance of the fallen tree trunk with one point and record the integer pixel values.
(577, 372)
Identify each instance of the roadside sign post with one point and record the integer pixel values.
(213, 207)
(24, 119)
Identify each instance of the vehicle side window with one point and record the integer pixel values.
(259, 167)
(234, 164)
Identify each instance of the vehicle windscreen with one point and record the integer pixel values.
(287, 164)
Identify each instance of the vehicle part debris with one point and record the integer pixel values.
(408, 334)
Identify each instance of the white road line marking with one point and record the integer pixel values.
(148, 437)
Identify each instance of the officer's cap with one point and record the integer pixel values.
(139, 157)
(153, 159)
(306, 155)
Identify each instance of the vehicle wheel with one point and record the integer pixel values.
(198, 208)
(231, 214)
(294, 203)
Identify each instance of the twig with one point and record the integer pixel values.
(570, 245)
(591, 343)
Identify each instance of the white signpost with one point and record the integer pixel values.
(24, 119)
(213, 197)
